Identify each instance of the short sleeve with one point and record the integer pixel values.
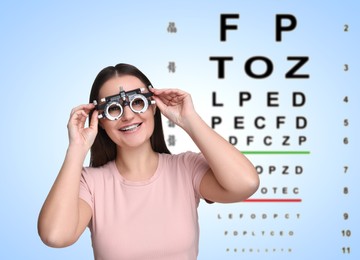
(85, 192)
(197, 165)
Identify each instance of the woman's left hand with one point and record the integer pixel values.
(175, 104)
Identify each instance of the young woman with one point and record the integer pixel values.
(138, 200)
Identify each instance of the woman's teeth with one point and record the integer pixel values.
(129, 128)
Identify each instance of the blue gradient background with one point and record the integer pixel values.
(51, 52)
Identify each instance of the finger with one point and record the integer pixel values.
(94, 120)
(85, 107)
(78, 118)
(161, 92)
(152, 89)
(159, 103)
(166, 95)
(172, 98)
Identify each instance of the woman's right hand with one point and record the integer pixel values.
(78, 133)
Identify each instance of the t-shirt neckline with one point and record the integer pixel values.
(124, 181)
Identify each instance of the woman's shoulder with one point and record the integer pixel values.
(89, 171)
(184, 158)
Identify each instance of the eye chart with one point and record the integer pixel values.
(279, 84)
(276, 78)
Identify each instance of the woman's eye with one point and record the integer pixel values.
(114, 108)
(138, 102)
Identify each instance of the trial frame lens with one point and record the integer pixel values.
(113, 106)
(113, 111)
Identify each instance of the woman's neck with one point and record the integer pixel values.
(136, 164)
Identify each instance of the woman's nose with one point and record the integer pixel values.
(128, 114)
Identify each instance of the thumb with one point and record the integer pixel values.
(94, 120)
(159, 104)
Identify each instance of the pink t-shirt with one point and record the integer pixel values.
(153, 219)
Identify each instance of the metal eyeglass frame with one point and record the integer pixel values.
(121, 100)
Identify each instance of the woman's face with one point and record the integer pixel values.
(131, 129)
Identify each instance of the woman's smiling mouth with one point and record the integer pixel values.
(130, 127)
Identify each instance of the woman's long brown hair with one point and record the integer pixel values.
(104, 149)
